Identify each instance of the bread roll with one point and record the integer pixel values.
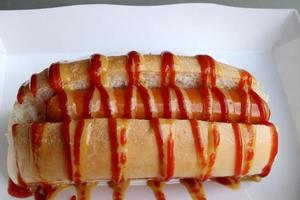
(75, 75)
(48, 160)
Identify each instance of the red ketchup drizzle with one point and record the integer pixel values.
(245, 80)
(63, 102)
(67, 148)
(119, 189)
(77, 138)
(226, 180)
(73, 197)
(21, 95)
(54, 79)
(43, 192)
(146, 100)
(165, 92)
(170, 158)
(206, 101)
(37, 131)
(195, 188)
(244, 106)
(170, 154)
(231, 182)
(95, 81)
(198, 142)
(238, 150)
(157, 188)
(263, 115)
(21, 190)
(207, 64)
(18, 190)
(274, 149)
(167, 68)
(123, 141)
(33, 84)
(112, 124)
(212, 156)
(244, 84)
(181, 103)
(133, 80)
(127, 104)
(224, 106)
(250, 151)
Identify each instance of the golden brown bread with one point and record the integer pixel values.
(142, 151)
(74, 75)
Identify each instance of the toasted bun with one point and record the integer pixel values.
(142, 154)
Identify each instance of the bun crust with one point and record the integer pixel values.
(142, 159)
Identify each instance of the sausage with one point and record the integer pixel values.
(194, 103)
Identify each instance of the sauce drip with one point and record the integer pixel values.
(46, 192)
(244, 117)
(245, 82)
(167, 70)
(223, 104)
(167, 163)
(119, 190)
(54, 79)
(37, 131)
(94, 72)
(273, 152)
(194, 187)
(230, 182)
(63, 102)
(249, 150)
(73, 197)
(208, 74)
(238, 149)
(157, 188)
(123, 152)
(214, 140)
(83, 191)
(263, 115)
(146, 100)
(208, 79)
(132, 68)
(18, 190)
(33, 85)
(76, 150)
(115, 167)
(128, 103)
(206, 99)
(181, 103)
(198, 143)
(21, 94)
(165, 92)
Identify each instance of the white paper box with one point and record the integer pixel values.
(266, 42)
